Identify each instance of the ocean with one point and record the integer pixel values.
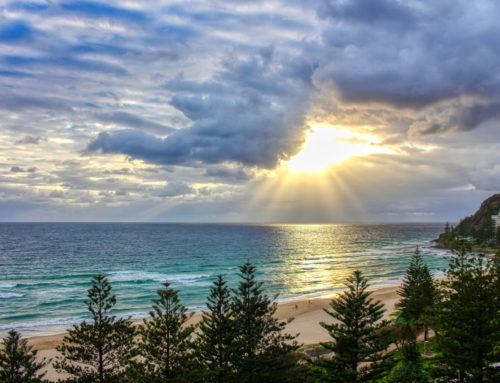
(45, 268)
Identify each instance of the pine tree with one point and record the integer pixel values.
(216, 334)
(262, 351)
(360, 336)
(408, 372)
(417, 292)
(495, 267)
(409, 369)
(99, 350)
(166, 339)
(18, 362)
(465, 316)
(404, 337)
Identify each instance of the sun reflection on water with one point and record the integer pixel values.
(312, 269)
(315, 260)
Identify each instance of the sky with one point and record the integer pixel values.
(248, 111)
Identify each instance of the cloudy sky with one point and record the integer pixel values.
(235, 110)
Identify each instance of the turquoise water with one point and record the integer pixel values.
(45, 269)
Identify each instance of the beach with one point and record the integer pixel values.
(42, 285)
(305, 264)
(306, 313)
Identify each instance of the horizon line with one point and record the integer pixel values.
(239, 222)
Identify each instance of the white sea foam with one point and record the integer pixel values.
(134, 276)
(59, 293)
(134, 315)
(43, 323)
(10, 295)
(387, 282)
(7, 285)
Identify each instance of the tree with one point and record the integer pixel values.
(18, 362)
(262, 351)
(486, 231)
(99, 350)
(417, 292)
(495, 354)
(409, 369)
(404, 337)
(216, 334)
(166, 345)
(408, 372)
(447, 237)
(360, 336)
(465, 316)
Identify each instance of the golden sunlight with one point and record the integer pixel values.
(326, 145)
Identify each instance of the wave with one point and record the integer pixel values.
(43, 323)
(59, 293)
(144, 276)
(387, 282)
(310, 294)
(11, 295)
(7, 285)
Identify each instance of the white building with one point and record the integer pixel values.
(496, 220)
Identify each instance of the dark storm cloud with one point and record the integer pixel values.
(469, 118)
(228, 174)
(456, 117)
(242, 136)
(412, 54)
(251, 114)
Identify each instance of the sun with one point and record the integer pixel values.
(326, 145)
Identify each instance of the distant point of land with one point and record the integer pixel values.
(482, 229)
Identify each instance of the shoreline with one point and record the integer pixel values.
(35, 331)
(307, 314)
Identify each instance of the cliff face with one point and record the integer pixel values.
(488, 208)
(478, 226)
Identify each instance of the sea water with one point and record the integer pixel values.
(46, 268)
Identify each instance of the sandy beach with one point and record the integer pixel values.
(307, 314)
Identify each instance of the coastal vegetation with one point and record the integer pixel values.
(418, 293)
(98, 350)
(359, 334)
(18, 363)
(479, 229)
(239, 338)
(165, 349)
(466, 316)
